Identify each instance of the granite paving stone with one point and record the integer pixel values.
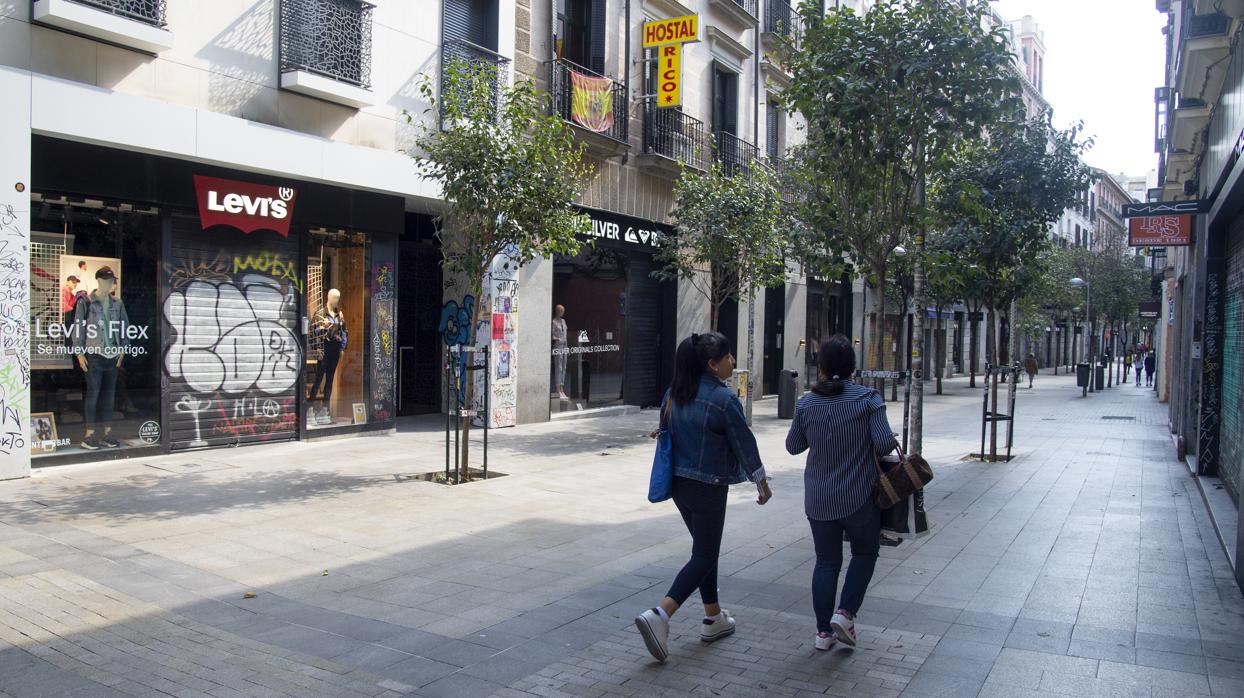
(1085, 566)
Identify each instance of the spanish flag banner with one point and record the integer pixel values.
(591, 101)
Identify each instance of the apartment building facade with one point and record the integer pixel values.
(236, 176)
(1200, 338)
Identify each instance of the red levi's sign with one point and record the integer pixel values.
(244, 205)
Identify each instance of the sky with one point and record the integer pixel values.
(1103, 58)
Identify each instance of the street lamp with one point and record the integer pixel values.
(1088, 316)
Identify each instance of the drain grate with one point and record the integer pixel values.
(1119, 417)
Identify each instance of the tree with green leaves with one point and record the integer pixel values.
(729, 235)
(998, 201)
(947, 285)
(886, 94)
(509, 173)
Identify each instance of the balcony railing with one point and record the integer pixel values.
(735, 155)
(748, 6)
(1200, 26)
(672, 134)
(589, 100)
(145, 11)
(331, 38)
(782, 19)
(479, 63)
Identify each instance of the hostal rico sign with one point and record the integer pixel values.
(244, 205)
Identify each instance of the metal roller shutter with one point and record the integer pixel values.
(1231, 439)
(233, 353)
(643, 333)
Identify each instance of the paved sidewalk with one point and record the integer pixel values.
(1086, 566)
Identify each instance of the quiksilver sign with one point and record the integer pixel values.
(246, 206)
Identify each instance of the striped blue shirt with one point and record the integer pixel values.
(840, 434)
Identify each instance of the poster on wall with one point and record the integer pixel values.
(56, 289)
(498, 331)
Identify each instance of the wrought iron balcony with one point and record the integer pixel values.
(1201, 26)
(783, 20)
(479, 63)
(589, 100)
(673, 134)
(749, 6)
(145, 11)
(735, 155)
(331, 38)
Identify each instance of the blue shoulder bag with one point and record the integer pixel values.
(661, 484)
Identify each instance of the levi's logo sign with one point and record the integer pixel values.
(244, 205)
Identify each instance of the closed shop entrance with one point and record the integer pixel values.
(234, 352)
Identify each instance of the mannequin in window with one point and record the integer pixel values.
(329, 334)
(561, 348)
(99, 345)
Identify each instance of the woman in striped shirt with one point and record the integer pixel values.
(843, 427)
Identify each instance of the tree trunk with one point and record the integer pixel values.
(991, 354)
(973, 341)
(468, 394)
(941, 349)
(880, 273)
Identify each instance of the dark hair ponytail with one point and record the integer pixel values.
(692, 359)
(835, 362)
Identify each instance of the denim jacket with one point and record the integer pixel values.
(712, 442)
(100, 333)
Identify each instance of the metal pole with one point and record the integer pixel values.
(1089, 352)
(984, 413)
(449, 386)
(917, 344)
(487, 395)
(751, 346)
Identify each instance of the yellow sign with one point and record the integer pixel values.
(669, 76)
(672, 31)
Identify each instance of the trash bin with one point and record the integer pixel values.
(1101, 377)
(1082, 375)
(788, 393)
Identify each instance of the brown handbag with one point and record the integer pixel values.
(906, 478)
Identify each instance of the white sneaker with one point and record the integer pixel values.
(713, 630)
(844, 628)
(825, 641)
(656, 633)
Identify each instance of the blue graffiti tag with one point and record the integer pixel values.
(455, 327)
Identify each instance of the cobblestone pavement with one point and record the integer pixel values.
(1086, 566)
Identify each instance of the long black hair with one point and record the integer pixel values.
(835, 362)
(692, 359)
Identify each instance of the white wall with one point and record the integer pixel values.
(14, 274)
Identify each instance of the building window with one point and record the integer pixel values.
(330, 38)
(338, 304)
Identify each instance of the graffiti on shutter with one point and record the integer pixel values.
(233, 355)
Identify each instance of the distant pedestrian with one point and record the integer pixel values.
(1030, 367)
(1151, 365)
(1127, 364)
(1138, 365)
(843, 427)
(713, 449)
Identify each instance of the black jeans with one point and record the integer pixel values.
(703, 509)
(101, 390)
(326, 370)
(863, 527)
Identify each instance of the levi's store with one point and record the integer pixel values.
(612, 334)
(177, 306)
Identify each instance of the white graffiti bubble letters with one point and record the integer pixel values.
(233, 337)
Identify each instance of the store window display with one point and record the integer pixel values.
(588, 335)
(338, 303)
(95, 363)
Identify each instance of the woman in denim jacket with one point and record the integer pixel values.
(713, 449)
